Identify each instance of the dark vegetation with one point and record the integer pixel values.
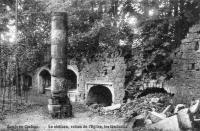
(145, 32)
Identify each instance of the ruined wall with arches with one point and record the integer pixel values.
(41, 79)
(74, 76)
(101, 80)
(44, 74)
(107, 73)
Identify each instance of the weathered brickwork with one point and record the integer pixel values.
(102, 78)
(109, 73)
(186, 63)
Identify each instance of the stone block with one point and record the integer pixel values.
(58, 84)
(52, 101)
(186, 40)
(54, 108)
(185, 119)
(58, 67)
(167, 124)
(193, 35)
(194, 28)
(156, 117)
(66, 110)
(58, 51)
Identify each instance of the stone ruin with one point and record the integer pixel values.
(186, 63)
(101, 81)
(108, 75)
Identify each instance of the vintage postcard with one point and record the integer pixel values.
(99, 65)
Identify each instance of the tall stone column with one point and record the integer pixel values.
(59, 105)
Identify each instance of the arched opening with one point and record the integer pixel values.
(45, 81)
(152, 90)
(28, 81)
(99, 95)
(196, 47)
(72, 80)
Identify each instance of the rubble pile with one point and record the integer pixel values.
(182, 117)
(168, 116)
(155, 111)
(156, 101)
(96, 108)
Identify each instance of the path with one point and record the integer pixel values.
(37, 119)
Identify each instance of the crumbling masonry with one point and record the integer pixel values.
(186, 64)
(100, 81)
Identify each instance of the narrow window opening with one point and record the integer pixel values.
(113, 67)
(196, 46)
(105, 73)
(191, 66)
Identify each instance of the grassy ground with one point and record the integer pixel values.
(36, 118)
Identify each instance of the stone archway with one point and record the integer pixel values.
(73, 69)
(28, 81)
(99, 94)
(72, 80)
(44, 81)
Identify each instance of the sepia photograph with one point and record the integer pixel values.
(99, 65)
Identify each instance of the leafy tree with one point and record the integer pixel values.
(163, 33)
(162, 24)
(97, 26)
(33, 35)
(32, 39)
(6, 13)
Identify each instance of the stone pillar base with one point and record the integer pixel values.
(60, 107)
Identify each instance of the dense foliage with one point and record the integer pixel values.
(147, 32)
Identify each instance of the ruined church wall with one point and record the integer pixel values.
(186, 63)
(35, 88)
(111, 70)
(109, 73)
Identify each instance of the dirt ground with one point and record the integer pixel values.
(37, 118)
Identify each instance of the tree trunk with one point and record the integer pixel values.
(17, 79)
(10, 93)
(4, 92)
